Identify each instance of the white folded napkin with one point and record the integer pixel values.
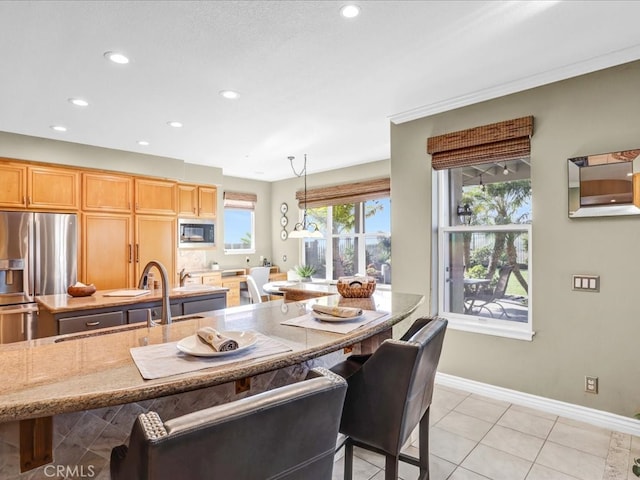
(342, 312)
(219, 342)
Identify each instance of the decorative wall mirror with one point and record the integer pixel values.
(604, 184)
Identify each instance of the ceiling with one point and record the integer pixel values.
(309, 80)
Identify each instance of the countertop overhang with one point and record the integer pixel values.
(76, 372)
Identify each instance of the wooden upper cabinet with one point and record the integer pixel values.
(53, 188)
(36, 187)
(107, 193)
(187, 200)
(197, 201)
(157, 197)
(13, 186)
(208, 201)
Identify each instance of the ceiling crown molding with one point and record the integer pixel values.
(593, 64)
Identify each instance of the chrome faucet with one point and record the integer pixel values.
(183, 276)
(166, 311)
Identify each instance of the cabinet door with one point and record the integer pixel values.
(208, 202)
(107, 246)
(156, 240)
(157, 197)
(106, 193)
(187, 200)
(233, 295)
(13, 189)
(200, 306)
(54, 188)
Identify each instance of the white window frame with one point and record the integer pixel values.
(474, 323)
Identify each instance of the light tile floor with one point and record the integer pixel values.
(478, 438)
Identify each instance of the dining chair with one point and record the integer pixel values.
(480, 299)
(261, 276)
(254, 293)
(389, 395)
(243, 439)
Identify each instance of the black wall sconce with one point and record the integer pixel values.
(464, 214)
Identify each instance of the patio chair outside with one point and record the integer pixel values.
(480, 300)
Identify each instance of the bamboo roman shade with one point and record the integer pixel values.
(500, 141)
(346, 193)
(245, 201)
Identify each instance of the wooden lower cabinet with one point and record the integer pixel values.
(156, 239)
(107, 250)
(116, 248)
(233, 284)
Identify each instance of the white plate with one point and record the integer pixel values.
(331, 318)
(282, 283)
(194, 346)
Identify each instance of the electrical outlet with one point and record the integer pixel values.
(246, 259)
(591, 384)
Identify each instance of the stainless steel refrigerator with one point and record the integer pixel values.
(37, 257)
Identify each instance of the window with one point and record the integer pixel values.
(484, 236)
(239, 223)
(357, 239)
(355, 220)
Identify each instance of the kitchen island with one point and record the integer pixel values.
(94, 374)
(60, 314)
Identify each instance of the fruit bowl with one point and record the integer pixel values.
(81, 290)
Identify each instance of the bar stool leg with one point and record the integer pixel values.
(423, 445)
(391, 467)
(348, 460)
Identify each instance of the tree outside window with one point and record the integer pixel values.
(360, 240)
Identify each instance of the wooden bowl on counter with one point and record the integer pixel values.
(85, 291)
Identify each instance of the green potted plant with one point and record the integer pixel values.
(305, 272)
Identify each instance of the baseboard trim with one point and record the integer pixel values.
(592, 416)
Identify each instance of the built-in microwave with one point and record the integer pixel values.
(196, 233)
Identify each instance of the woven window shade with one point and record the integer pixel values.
(346, 193)
(245, 201)
(500, 141)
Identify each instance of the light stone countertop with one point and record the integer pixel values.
(65, 303)
(84, 371)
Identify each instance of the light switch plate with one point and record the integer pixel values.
(586, 283)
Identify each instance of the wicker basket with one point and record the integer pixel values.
(357, 288)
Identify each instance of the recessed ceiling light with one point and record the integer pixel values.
(144, 143)
(78, 102)
(174, 124)
(229, 94)
(350, 11)
(58, 128)
(116, 57)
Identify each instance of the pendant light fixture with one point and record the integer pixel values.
(304, 229)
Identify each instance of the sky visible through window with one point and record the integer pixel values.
(237, 225)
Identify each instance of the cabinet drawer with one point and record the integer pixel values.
(90, 322)
(212, 279)
(199, 306)
(140, 314)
